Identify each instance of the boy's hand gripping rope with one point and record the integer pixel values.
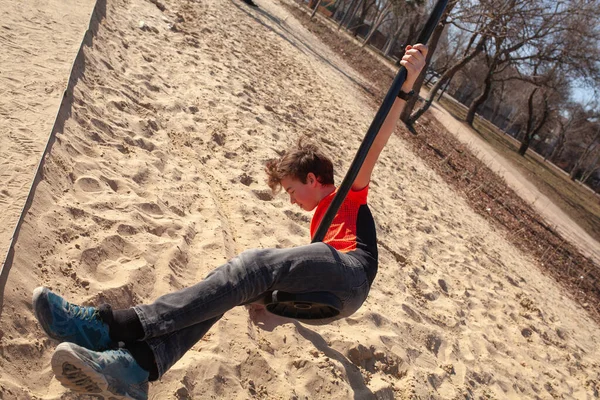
(382, 113)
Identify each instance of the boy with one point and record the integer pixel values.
(155, 336)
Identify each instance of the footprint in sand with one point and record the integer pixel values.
(119, 297)
(432, 296)
(89, 184)
(141, 142)
(433, 343)
(142, 176)
(297, 217)
(411, 313)
(264, 195)
(443, 285)
(115, 185)
(120, 105)
(151, 209)
(372, 359)
(246, 179)
(126, 230)
(111, 248)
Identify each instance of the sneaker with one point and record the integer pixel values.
(68, 322)
(110, 374)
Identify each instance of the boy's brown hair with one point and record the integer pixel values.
(297, 163)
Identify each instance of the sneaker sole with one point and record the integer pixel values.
(75, 374)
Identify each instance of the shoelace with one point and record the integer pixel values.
(85, 313)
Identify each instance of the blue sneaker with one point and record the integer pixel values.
(110, 374)
(68, 322)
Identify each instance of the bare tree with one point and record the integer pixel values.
(450, 72)
(349, 13)
(380, 16)
(593, 166)
(316, 7)
(433, 41)
(572, 113)
(534, 32)
(365, 7)
(394, 9)
(406, 24)
(534, 123)
(590, 148)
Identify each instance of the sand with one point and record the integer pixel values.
(157, 178)
(39, 41)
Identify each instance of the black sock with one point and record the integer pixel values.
(143, 355)
(123, 325)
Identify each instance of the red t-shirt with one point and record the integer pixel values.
(341, 234)
(352, 229)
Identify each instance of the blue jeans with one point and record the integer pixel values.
(178, 320)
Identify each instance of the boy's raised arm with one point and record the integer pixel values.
(414, 61)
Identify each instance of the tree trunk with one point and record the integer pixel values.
(358, 4)
(392, 42)
(558, 148)
(528, 135)
(445, 88)
(412, 33)
(498, 104)
(433, 42)
(591, 169)
(481, 98)
(351, 7)
(366, 6)
(560, 141)
(446, 77)
(577, 167)
(335, 6)
(315, 9)
(378, 21)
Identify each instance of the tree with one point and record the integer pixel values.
(366, 6)
(396, 8)
(380, 16)
(560, 35)
(450, 72)
(590, 148)
(411, 20)
(534, 124)
(572, 112)
(592, 167)
(433, 41)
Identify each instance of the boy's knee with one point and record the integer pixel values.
(260, 257)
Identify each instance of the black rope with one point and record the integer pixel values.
(382, 113)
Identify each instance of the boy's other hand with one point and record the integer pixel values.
(414, 61)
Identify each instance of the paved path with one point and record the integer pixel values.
(553, 215)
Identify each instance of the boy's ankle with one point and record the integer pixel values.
(123, 325)
(144, 356)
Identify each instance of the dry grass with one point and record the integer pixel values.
(487, 193)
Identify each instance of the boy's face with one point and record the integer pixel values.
(306, 195)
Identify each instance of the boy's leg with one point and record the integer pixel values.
(310, 268)
(159, 354)
(315, 267)
(176, 321)
(107, 374)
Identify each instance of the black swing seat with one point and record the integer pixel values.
(312, 305)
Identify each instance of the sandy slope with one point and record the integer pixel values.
(38, 42)
(158, 178)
